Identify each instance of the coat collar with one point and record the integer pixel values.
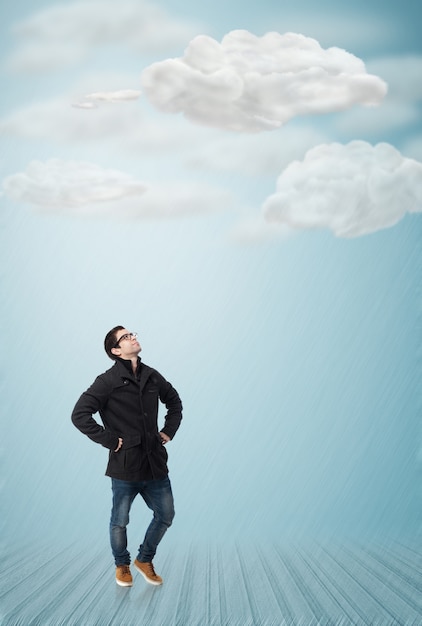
(123, 371)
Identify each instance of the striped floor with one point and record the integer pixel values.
(212, 586)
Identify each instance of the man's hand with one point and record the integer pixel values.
(120, 444)
(164, 438)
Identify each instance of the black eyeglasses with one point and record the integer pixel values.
(124, 337)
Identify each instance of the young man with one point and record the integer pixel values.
(126, 397)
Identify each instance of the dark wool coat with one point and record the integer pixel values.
(128, 407)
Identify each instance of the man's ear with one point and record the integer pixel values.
(115, 351)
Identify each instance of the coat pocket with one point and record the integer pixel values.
(125, 461)
(132, 459)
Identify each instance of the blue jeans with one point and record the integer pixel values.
(158, 497)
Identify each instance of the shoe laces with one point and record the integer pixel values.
(151, 570)
(125, 569)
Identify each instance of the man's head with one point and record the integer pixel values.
(119, 342)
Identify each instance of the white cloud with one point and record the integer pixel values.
(85, 189)
(249, 83)
(69, 184)
(90, 100)
(352, 189)
(64, 34)
(114, 96)
(84, 105)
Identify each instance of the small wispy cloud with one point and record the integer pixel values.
(67, 33)
(84, 105)
(90, 100)
(85, 189)
(69, 184)
(114, 96)
(250, 84)
(352, 189)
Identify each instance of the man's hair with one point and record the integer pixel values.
(110, 341)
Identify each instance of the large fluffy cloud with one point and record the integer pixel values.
(79, 188)
(352, 189)
(63, 34)
(249, 83)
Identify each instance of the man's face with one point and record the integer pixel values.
(127, 344)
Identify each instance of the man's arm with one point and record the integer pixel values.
(169, 396)
(89, 403)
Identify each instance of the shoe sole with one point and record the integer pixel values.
(151, 582)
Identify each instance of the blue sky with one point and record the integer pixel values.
(293, 342)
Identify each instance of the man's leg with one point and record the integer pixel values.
(159, 498)
(124, 493)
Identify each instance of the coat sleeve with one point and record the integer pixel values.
(90, 402)
(169, 396)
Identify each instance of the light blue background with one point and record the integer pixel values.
(298, 361)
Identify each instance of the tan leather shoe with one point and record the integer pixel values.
(148, 572)
(123, 576)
